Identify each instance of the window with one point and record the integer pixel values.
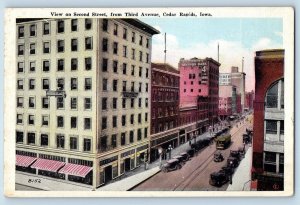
(141, 56)
(32, 66)
(192, 90)
(86, 145)
(115, 29)
(124, 86)
(140, 87)
(146, 102)
(60, 141)
(133, 37)
(73, 143)
(141, 40)
(114, 119)
(60, 26)
(74, 64)
(124, 68)
(281, 127)
(45, 102)
(31, 138)
(124, 33)
(60, 121)
(32, 48)
(132, 102)
(132, 86)
(131, 136)
(124, 51)
(146, 87)
(73, 103)
(20, 50)
(132, 70)
(88, 43)
(87, 123)
(74, 44)
(31, 102)
(115, 101)
(123, 102)
(88, 24)
(115, 85)
(104, 84)
(19, 137)
(74, 25)
(281, 163)
(103, 143)
(20, 67)
(46, 47)
(45, 120)
(139, 136)
(271, 126)
(73, 122)
(146, 117)
(60, 46)
(270, 162)
(19, 119)
(147, 43)
(140, 102)
(139, 118)
(114, 140)
(73, 83)
(104, 103)
(20, 84)
(20, 101)
(105, 44)
(60, 103)
(87, 103)
(30, 119)
(115, 66)
(21, 31)
(88, 63)
(104, 64)
(87, 83)
(104, 123)
(140, 71)
(115, 48)
(147, 72)
(32, 30)
(60, 64)
(123, 138)
(132, 119)
(105, 25)
(147, 58)
(60, 84)
(123, 120)
(31, 84)
(145, 132)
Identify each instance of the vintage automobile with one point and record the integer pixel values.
(236, 154)
(180, 158)
(232, 162)
(200, 144)
(246, 138)
(218, 178)
(170, 165)
(185, 156)
(191, 152)
(241, 150)
(218, 157)
(228, 170)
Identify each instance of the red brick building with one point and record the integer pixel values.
(268, 128)
(164, 107)
(249, 97)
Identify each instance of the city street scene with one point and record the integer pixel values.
(149, 104)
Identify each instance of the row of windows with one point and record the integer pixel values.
(123, 120)
(192, 90)
(166, 80)
(163, 126)
(60, 46)
(164, 112)
(114, 103)
(162, 96)
(60, 121)
(60, 24)
(60, 141)
(192, 82)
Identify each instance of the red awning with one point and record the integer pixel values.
(24, 161)
(47, 165)
(76, 170)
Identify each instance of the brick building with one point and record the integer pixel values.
(268, 140)
(249, 97)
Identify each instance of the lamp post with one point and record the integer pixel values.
(170, 149)
(160, 153)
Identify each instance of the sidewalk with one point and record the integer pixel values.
(242, 176)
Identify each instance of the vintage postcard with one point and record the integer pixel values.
(153, 102)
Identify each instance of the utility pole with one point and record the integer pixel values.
(165, 51)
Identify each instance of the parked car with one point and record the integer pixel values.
(232, 162)
(185, 156)
(180, 158)
(228, 170)
(191, 152)
(247, 138)
(218, 157)
(241, 150)
(236, 154)
(218, 178)
(170, 165)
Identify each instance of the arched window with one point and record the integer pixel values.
(275, 95)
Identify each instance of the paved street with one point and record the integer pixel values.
(194, 175)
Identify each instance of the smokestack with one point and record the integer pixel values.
(165, 51)
(218, 52)
(242, 64)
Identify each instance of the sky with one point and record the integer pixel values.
(237, 38)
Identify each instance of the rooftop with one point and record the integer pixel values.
(270, 53)
(164, 67)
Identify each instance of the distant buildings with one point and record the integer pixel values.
(249, 97)
(227, 101)
(83, 97)
(268, 127)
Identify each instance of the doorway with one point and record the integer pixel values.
(108, 174)
(127, 164)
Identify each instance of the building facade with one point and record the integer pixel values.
(83, 97)
(200, 77)
(164, 107)
(249, 100)
(268, 127)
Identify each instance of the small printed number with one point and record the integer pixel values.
(34, 181)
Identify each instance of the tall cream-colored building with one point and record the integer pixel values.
(83, 97)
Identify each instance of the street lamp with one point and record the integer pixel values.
(160, 153)
(170, 149)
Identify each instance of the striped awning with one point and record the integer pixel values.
(76, 170)
(24, 161)
(48, 165)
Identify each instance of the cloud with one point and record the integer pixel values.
(231, 53)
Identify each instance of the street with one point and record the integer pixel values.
(195, 174)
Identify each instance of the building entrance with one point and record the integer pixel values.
(108, 173)
(127, 164)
